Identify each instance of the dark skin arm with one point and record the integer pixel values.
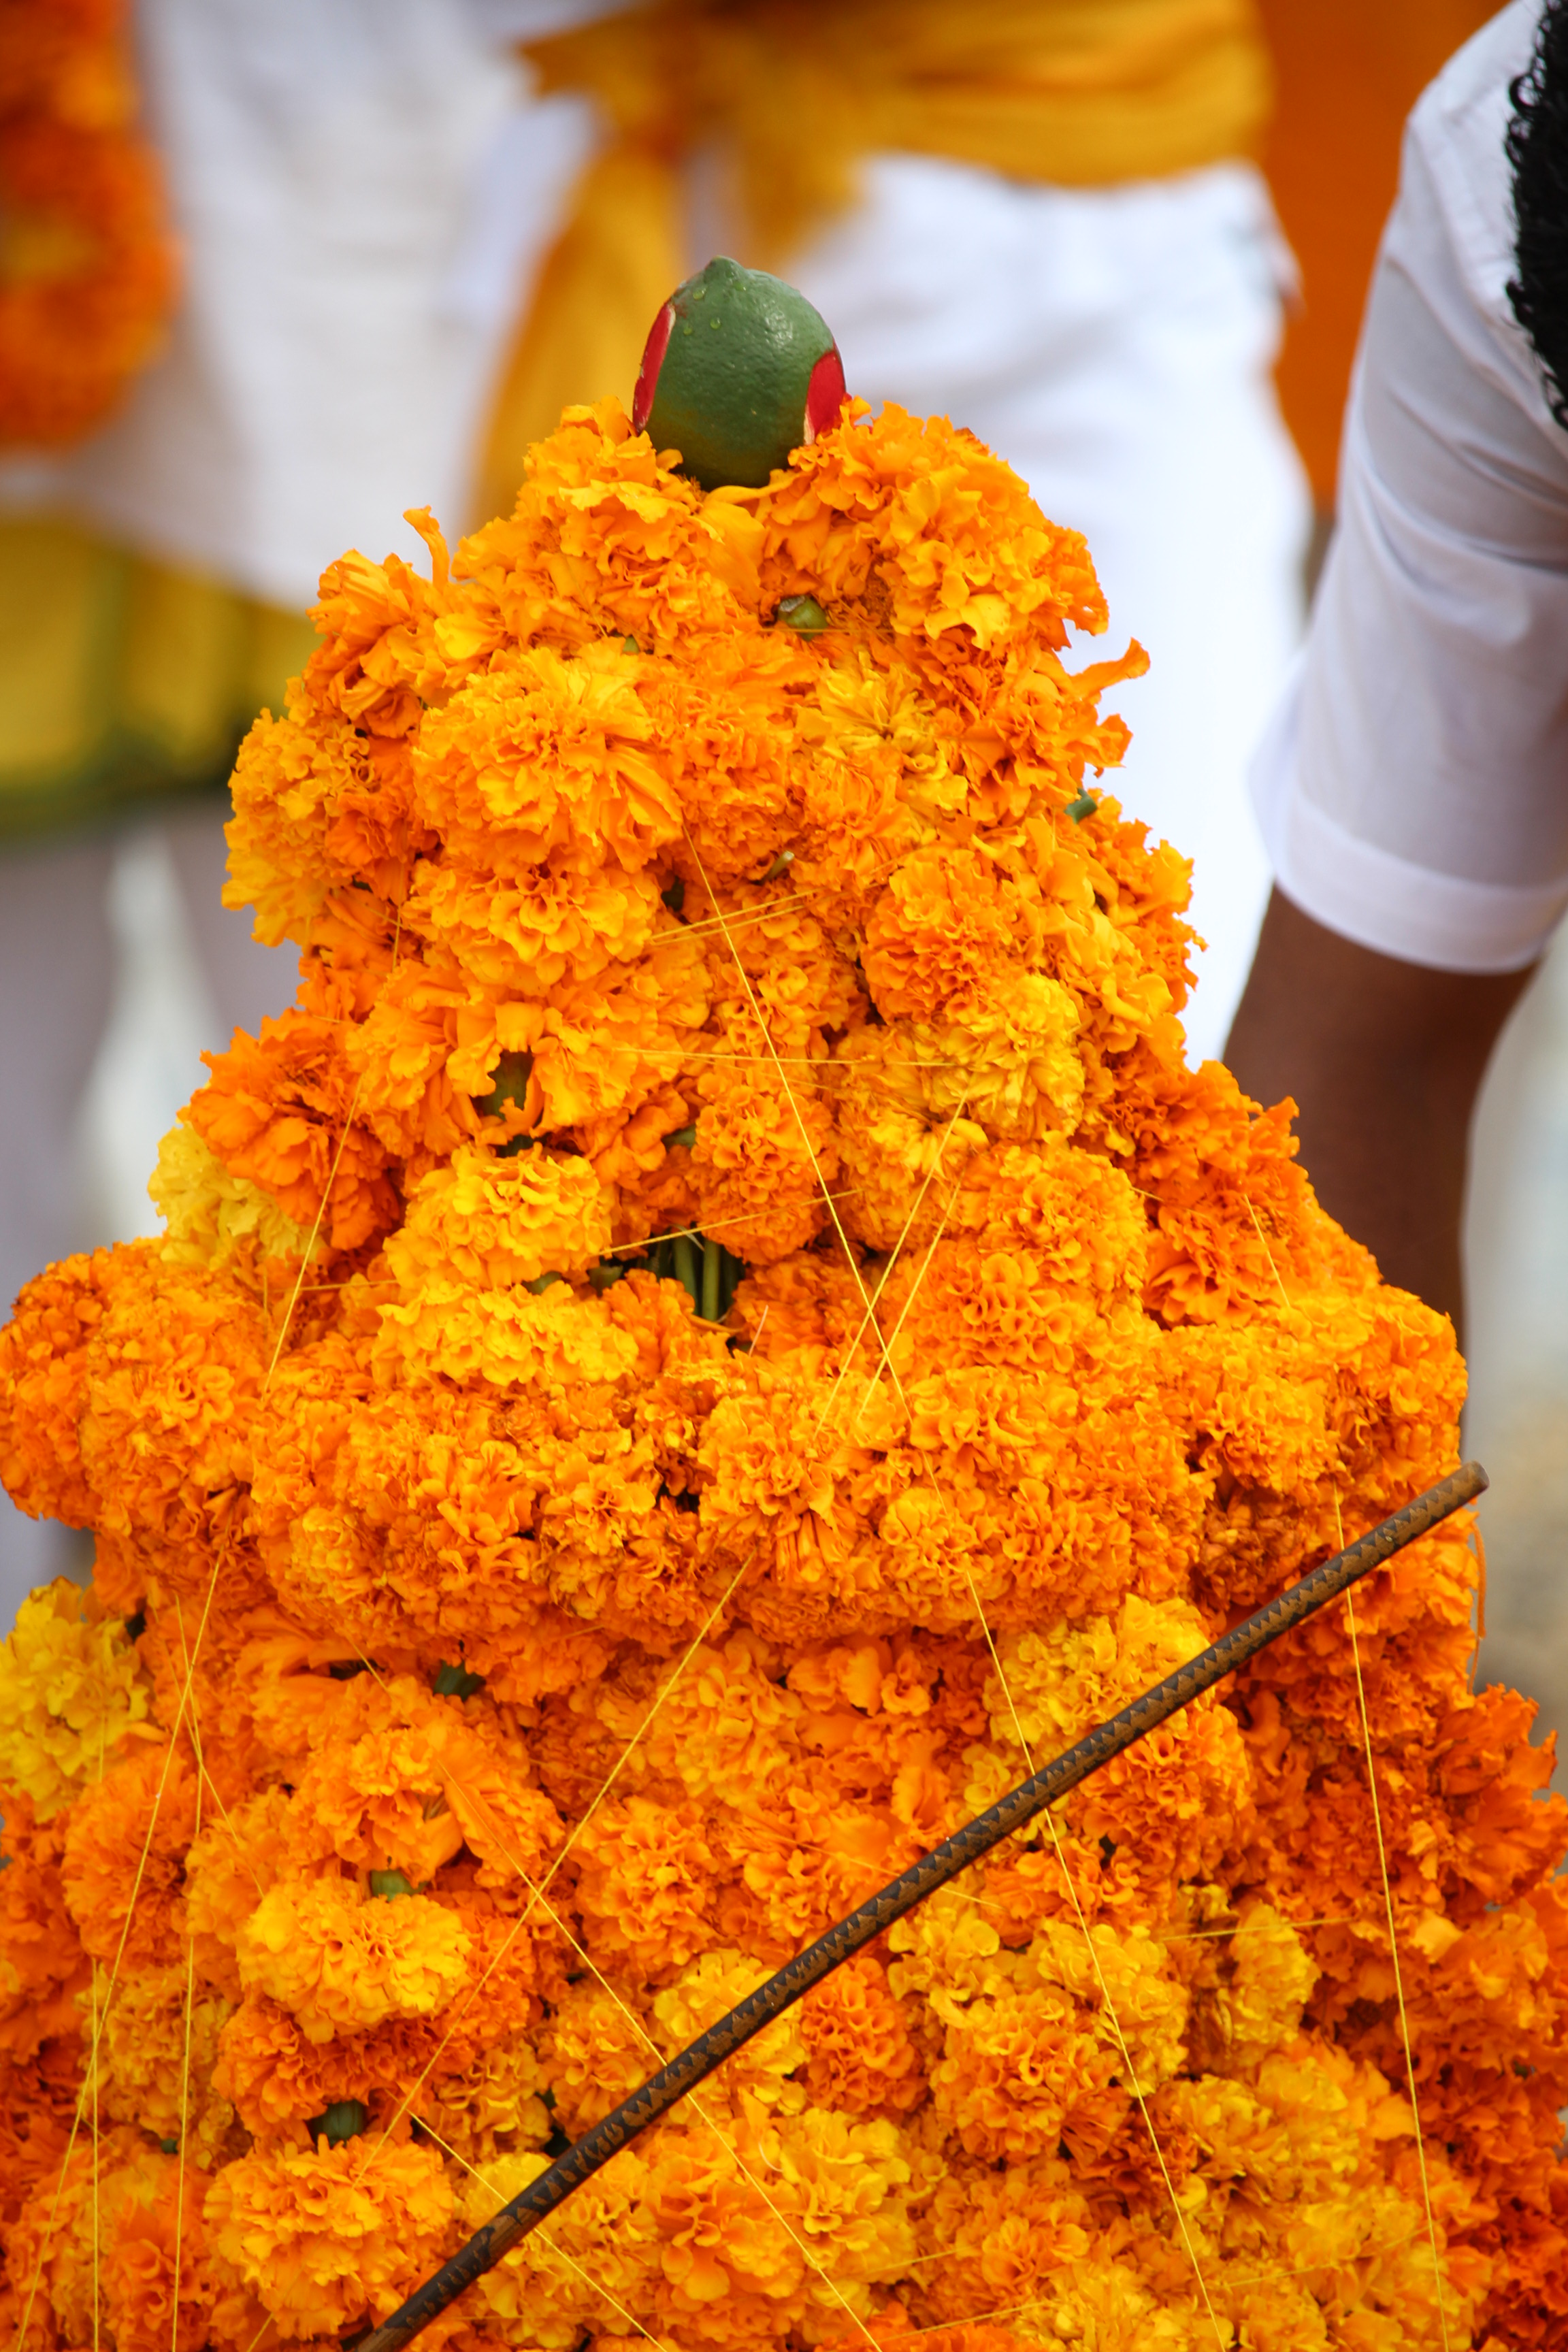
(1385, 1060)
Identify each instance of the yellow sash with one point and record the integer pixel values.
(123, 681)
(792, 93)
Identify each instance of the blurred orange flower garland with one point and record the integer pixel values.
(495, 1666)
(86, 260)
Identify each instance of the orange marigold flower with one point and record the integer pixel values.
(325, 2240)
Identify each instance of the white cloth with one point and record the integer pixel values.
(1413, 787)
(1116, 346)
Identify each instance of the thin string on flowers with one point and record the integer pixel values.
(578, 1826)
(991, 1644)
(1394, 1948)
(536, 1897)
(958, 1894)
(914, 1290)
(1093, 1950)
(538, 2237)
(181, 2153)
(315, 1231)
(1268, 1253)
(97, 2229)
(718, 1225)
(820, 1062)
(1317, 2269)
(853, 1350)
(849, 1257)
(615, 1249)
(980, 2319)
(640, 2029)
(939, 1488)
(101, 2017)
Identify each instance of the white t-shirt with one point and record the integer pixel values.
(1413, 787)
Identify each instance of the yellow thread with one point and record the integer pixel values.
(1394, 1950)
(315, 1229)
(719, 1225)
(100, 2016)
(97, 2231)
(979, 2318)
(716, 921)
(190, 2006)
(1133, 2082)
(1099, 1971)
(854, 1346)
(577, 1828)
(601, 2293)
(1094, 1956)
(850, 1258)
(185, 2116)
(639, 2028)
(1267, 1254)
(822, 1062)
(914, 1294)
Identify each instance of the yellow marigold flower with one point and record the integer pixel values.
(492, 2106)
(43, 1966)
(326, 2240)
(535, 930)
(712, 1984)
(594, 2053)
(69, 1689)
(449, 1328)
(492, 1222)
(98, 2234)
(1054, 1683)
(1009, 2237)
(538, 753)
(155, 2060)
(228, 1867)
(862, 2058)
(208, 1212)
(608, 2258)
(341, 1963)
(124, 1850)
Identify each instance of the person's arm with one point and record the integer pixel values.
(1385, 1060)
(1410, 790)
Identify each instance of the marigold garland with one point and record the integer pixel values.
(88, 269)
(494, 1665)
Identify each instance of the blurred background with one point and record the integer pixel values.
(269, 276)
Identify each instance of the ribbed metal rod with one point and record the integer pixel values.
(977, 1838)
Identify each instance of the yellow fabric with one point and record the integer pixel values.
(1079, 92)
(122, 680)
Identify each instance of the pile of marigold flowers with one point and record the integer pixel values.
(719, 1330)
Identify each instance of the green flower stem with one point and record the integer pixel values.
(712, 1267)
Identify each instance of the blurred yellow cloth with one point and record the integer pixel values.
(123, 681)
(792, 95)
